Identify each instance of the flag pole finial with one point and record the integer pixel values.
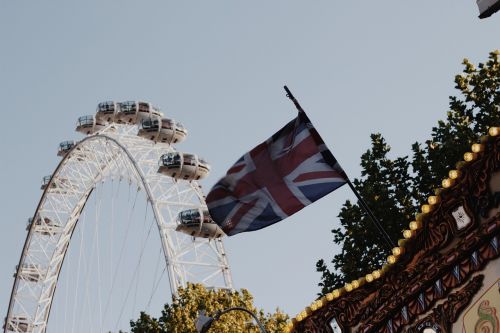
(292, 98)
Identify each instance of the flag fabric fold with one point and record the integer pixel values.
(276, 179)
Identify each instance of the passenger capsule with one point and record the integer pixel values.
(106, 112)
(65, 147)
(183, 166)
(44, 226)
(162, 130)
(89, 125)
(198, 223)
(19, 323)
(30, 273)
(172, 131)
(46, 182)
(132, 112)
(150, 128)
(58, 185)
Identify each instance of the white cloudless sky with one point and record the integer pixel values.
(357, 67)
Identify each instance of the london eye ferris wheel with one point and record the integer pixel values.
(126, 142)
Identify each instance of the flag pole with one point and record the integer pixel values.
(362, 202)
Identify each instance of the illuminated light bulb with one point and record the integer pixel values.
(348, 287)
(433, 199)
(426, 209)
(468, 157)
(414, 225)
(299, 317)
(313, 306)
(377, 274)
(330, 296)
(369, 277)
(355, 284)
(477, 148)
(454, 174)
(447, 182)
(391, 259)
(397, 251)
(493, 131)
(336, 293)
(408, 234)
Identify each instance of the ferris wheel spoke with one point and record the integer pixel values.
(153, 289)
(112, 225)
(120, 256)
(97, 222)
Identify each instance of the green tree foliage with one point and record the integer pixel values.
(180, 316)
(394, 188)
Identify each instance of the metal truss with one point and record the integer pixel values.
(115, 152)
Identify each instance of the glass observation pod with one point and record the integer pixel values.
(58, 185)
(162, 130)
(183, 166)
(19, 323)
(46, 181)
(132, 112)
(106, 111)
(88, 125)
(44, 227)
(65, 147)
(198, 223)
(30, 273)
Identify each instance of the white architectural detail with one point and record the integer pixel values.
(335, 326)
(461, 217)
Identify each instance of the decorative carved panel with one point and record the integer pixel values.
(461, 217)
(445, 314)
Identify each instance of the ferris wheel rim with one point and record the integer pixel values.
(75, 212)
(150, 199)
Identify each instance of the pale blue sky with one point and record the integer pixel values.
(357, 67)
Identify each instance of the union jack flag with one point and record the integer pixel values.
(276, 179)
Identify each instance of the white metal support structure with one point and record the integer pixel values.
(115, 152)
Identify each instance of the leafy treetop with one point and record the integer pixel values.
(180, 316)
(394, 188)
